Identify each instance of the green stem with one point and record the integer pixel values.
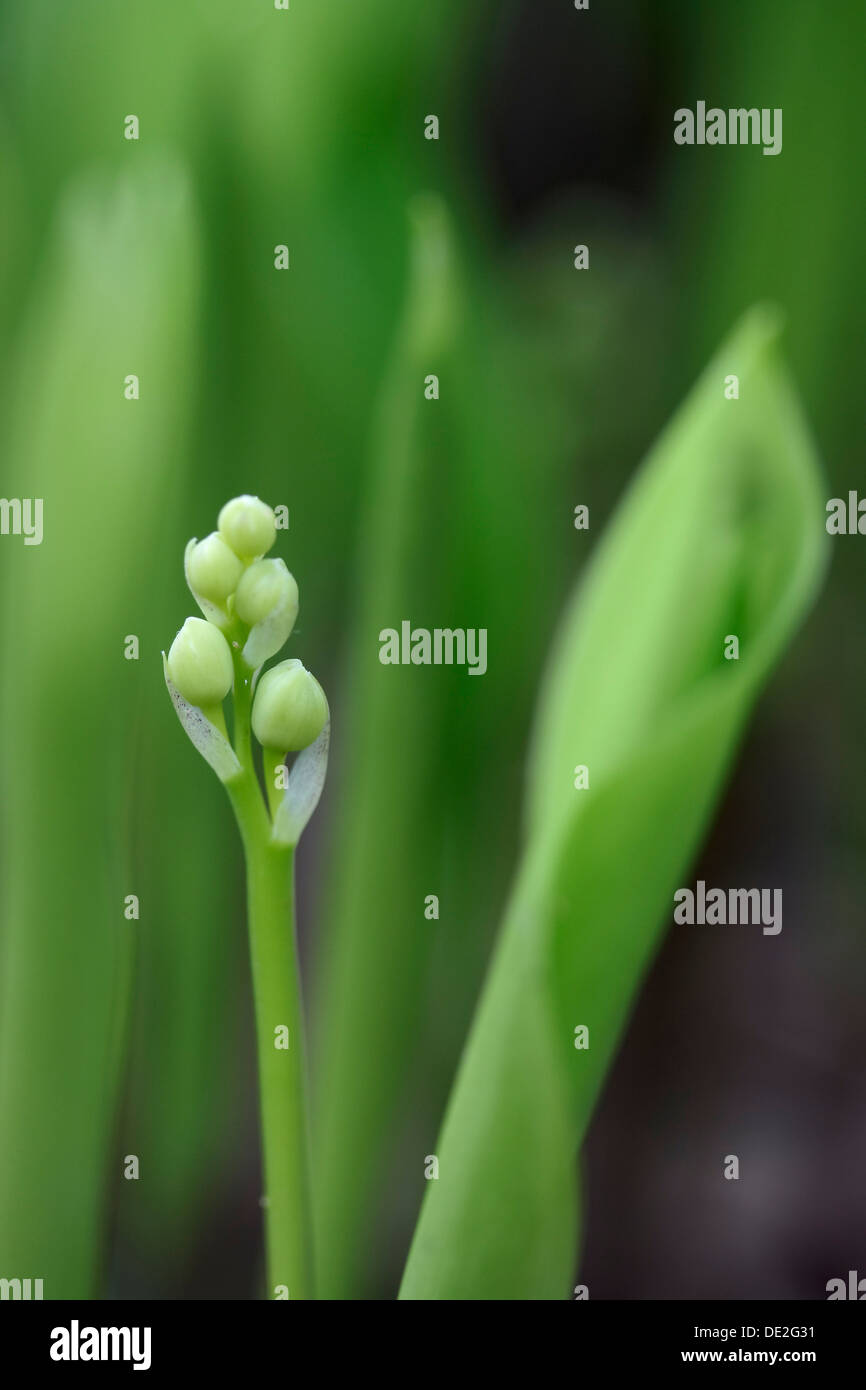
(270, 893)
(279, 1025)
(243, 700)
(271, 763)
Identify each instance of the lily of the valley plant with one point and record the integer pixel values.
(250, 605)
(638, 687)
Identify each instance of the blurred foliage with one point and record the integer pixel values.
(261, 127)
(649, 706)
(119, 283)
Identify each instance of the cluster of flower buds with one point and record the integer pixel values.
(250, 605)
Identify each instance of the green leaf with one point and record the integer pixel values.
(303, 792)
(204, 736)
(722, 533)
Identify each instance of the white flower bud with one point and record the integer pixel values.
(266, 599)
(213, 570)
(200, 663)
(265, 586)
(290, 708)
(248, 526)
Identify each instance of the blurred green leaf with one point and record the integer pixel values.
(721, 533)
(521, 355)
(118, 295)
(372, 974)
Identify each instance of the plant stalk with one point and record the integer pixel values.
(278, 1021)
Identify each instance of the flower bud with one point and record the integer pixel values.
(247, 526)
(290, 709)
(264, 587)
(200, 663)
(213, 570)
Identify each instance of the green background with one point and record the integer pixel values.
(155, 257)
